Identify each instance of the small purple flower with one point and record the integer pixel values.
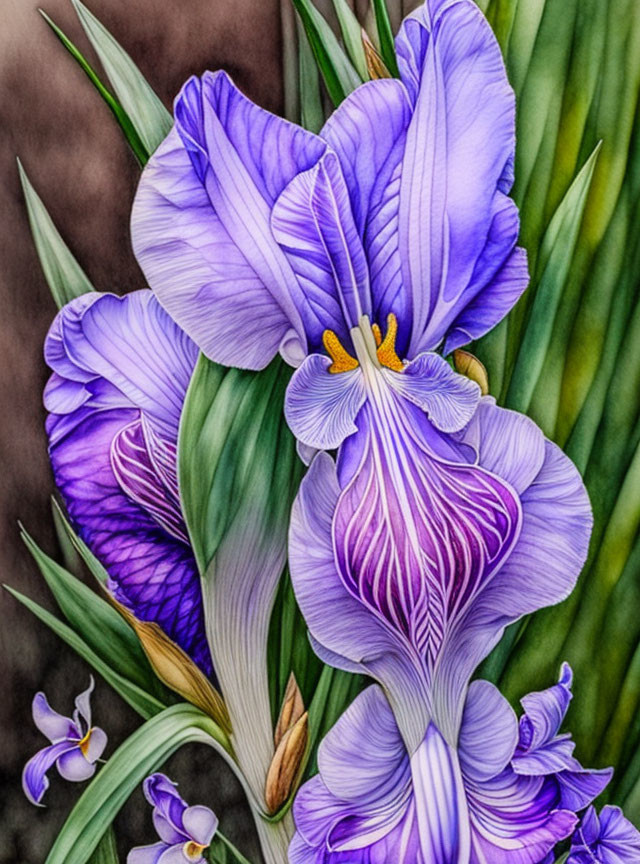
(607, 838)
(121, 368)
(185, 832)
(75, 746)
(373, 801)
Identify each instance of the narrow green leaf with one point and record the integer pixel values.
(385, 35)
(351, 30)
(311, 110)
(150, 118)
(65, 277)
(555, 260)
(145, 704)
(140, 151)
(95, 567)
(106, 851)
(140, 755)
(339, 75)
(98, 624)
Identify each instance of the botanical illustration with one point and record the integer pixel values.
(354, 481)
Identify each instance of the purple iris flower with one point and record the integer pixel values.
(607, 838)
(185, 832)
(373, 801)
(121, 368)
(75, 746)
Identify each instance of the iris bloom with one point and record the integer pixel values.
(605, 838)
(121, 368)
(75, 745)
(185, 832)
(514, 798)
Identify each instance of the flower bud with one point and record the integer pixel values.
(285, 766)
(291, 711)
(469, 366)
(375, 64)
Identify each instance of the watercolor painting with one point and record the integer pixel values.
(322, 495)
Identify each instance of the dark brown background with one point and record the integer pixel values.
(77, 159)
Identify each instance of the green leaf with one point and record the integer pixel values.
(65, 277)
(239, 472)
(385, 36)
(145, 704)
(141, 754)
(311, 110)
(339, 75)
(555, 260)
(106, 851)
(351, 30)
(150, 118)
(98, 624)
(140, 151)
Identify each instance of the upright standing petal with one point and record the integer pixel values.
(201, 222)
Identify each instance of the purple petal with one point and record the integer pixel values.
(83, 706)
(73, 766)
(580, 788)
(176, 855)
(545, 711)
(515, 820)
(545, 562)
(321, 407)
(419, 534)
(344, 631)
(459, 149)
(34, 776)
(200, 823)
(200, 222)
(610, 839)
(448, 399)
(368, 133)
(49, 722)
(488, 734)
(114, 458)
(312, 221)
(96, 744)
(146, 854)
(168, 808)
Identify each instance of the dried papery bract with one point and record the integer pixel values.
(285, 767)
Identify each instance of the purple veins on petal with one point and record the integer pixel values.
(185, 832)
(605, 838)
(113, 449)
(75, 745)
(373, 802)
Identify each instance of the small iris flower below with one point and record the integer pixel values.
(75, 745)
(185, 832)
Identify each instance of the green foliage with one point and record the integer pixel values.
(141, 754)
(148, 115)
(106, 851)
(124, 121)
(65, 278)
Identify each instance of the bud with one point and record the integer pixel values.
(286, 764)
(291, 711)
(176, 669)
(469, 366)
(375, 64)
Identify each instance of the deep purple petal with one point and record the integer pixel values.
(34, 776)
(418, 536)
(146, 854)
(321, 407)
(579, 788)
(200, 823)
(459, 147)
(73, 766)
(201, 221)
(313, 223)
(448, 399)
(49, 722)
(488, 734)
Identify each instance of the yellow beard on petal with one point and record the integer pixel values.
(385, 349)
